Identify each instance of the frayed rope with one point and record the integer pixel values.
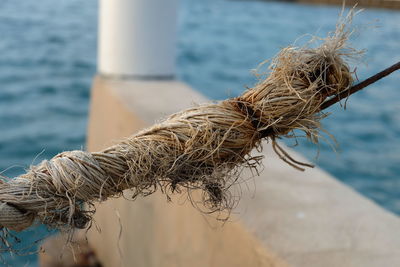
(202, 148)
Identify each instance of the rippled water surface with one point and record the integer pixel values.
(48, 58)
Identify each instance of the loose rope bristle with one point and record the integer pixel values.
(204, 147)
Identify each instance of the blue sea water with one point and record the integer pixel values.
(48, 60)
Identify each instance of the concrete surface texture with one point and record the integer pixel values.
(285, 217)
(62, 250)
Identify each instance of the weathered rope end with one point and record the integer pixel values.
(202, 148)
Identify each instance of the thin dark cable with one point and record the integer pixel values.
(360, 86)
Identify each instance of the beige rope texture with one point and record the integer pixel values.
(204, 147)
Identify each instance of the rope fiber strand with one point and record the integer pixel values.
(201, 148)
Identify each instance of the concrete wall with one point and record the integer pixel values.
(285, 217)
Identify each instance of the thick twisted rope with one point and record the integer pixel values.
(204, 147)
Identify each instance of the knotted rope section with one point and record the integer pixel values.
(204, 147)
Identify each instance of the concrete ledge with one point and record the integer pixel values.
(285, 217)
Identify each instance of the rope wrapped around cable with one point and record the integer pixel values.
(204, 147)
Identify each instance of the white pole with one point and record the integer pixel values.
(137, 38)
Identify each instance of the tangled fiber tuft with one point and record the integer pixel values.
(204, 147)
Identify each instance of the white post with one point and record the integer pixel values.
(137, 38)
